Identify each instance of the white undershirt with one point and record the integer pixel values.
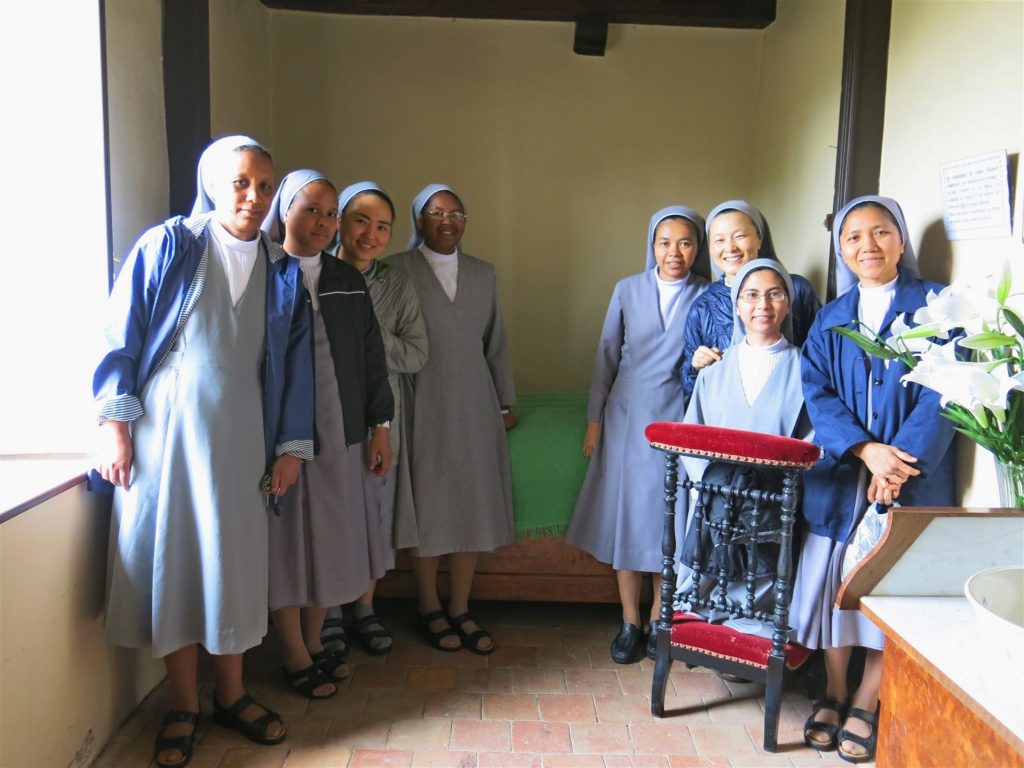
(238, 258)
(310, 268)
(756, 365)
(669, 294)
(446, 268)
(875, 301)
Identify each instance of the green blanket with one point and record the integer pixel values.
(547, 461)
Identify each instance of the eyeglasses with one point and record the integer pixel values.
(456, 217)
(774, 295)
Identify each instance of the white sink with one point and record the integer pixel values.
(997, 595)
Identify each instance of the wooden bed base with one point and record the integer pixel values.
(544, 570)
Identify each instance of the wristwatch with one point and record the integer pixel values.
(385, 424)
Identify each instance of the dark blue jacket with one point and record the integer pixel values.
(836, 377)
(710, 323)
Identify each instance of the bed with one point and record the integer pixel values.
(547, 471)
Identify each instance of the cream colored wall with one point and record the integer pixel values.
(241, 70)
(138, 136)
(794, 154)
(63, 690)
(561, 158)
(955, 90)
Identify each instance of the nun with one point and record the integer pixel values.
(618, 514)
(882, 440)
(326, 548)
(206, 386)
(459, 410)
(364, 231)
(737, 234)
(756, 387)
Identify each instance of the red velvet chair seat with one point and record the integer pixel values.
(696, 634)
(731, 444)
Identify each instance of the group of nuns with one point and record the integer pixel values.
(385, 390)
(754, 350)
(280, 410)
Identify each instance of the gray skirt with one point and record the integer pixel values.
(817, 622)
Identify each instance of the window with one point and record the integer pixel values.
(55, 258)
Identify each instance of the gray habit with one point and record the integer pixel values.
(405, 348)
(619, 512)
(457, 451)
(188, 540)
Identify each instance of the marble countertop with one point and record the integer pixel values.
(982, 667)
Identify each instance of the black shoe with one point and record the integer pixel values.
(652, 643)
(628, 645)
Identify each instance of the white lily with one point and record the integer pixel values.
(961, 305)
(916, 339)
(970, 385)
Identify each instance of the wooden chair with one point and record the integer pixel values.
(767, 523)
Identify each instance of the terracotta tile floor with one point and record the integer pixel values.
(549, 697)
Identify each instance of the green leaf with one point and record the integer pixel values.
(923, 331)
(987, 340)
(1003, 290)
(873, 348)
(1014, 320)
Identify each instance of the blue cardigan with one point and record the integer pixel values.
(710, 323)
(154, 295)
(836, 376)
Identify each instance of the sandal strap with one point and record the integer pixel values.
(334, 622)
(426, 619)
(871, 718)
(183, 744)
(472, 638)
(329, 661)
(236, 709)
(308, 680)
(181, 716)
(829, 729)
(830, 704)
(868, 742)
(363, 627)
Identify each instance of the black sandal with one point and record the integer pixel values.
(330, 662)
(254, 730)
(471, 640)
(307, 680)
(435, 638)
(868, 742)
(183, 744)
(366, 633)
(829, 729)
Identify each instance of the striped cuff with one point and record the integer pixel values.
(120, 408)
(303, 449)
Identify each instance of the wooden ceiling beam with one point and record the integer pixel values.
(730, 14)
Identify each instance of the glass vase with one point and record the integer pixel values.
(1010, 478)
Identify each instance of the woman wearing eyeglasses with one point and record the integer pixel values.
(459, 411)
(755, 387)
(618, 513)
(737, 234)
